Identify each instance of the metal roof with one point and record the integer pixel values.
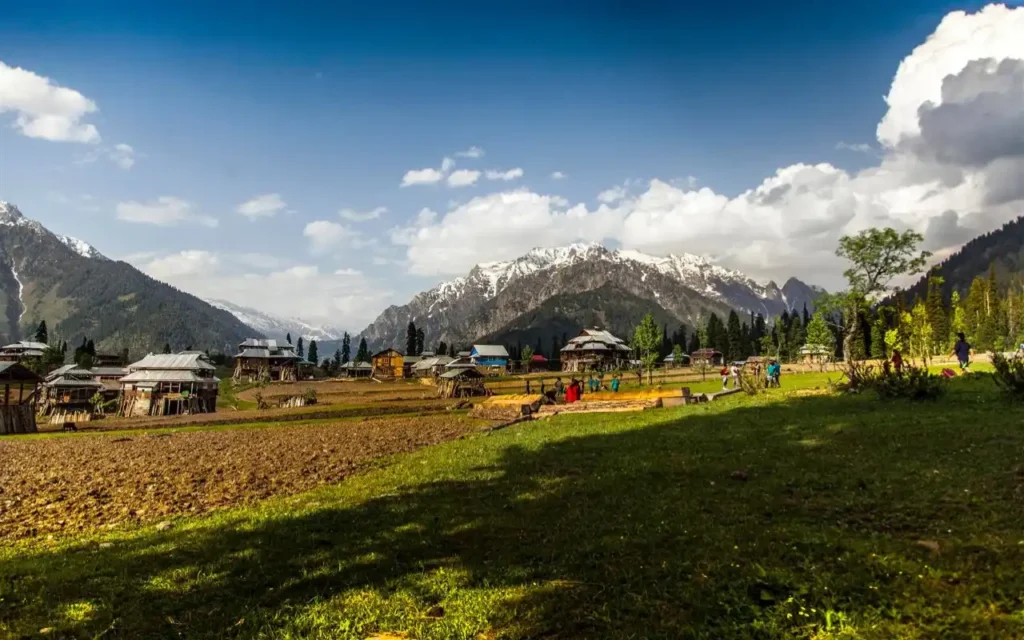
(386, 351)
(15, 372)
(173, 361)
(259, 343)
(59, 371)
(461, 372)
(489, 351)
(62, 381)
(151, 375)
(69, 372)
(108, 371)
(27, 344)
(357, 365)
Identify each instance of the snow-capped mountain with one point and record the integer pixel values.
(687, 286)
(81, 247)
(278, 327)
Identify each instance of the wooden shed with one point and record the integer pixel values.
(461, 383)
(17, 405)
(388, 364)
(706, 357)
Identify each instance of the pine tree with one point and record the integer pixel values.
(820, 334)
(362, 354)
(337, 359)
(666, 344)
(312, 352)
(537, 348)
(346, 348)
(451, 350)
(420, 339)
(410, 339)
(287, 337)
(42, 335)
(877, 338)
(694, 344)
(936, 314)
(718, 337)
(734, 336)
(807, 316)
(442, 348)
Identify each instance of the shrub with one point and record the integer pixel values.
(913, 383)
(1009, 374)
(310, 396)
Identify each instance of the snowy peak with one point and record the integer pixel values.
(278, 327)
(11, 216)
(81, 247)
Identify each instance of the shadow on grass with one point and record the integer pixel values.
(772, 521)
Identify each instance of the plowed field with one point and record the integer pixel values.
(73, 484)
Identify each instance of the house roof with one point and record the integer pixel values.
(356, 365)
(706, 353)
(412, 359)
(461, 373)
(394, 352)
(108, 371)
(489, 351)
(463, 354)
(27, 344)
(15, 372)
(430, 363)
(64, 381)
(596, 340)
(259, 343)
(59, 371)
(68, 371)
(157, 375)
(814, 349)
(672, 357)
(172, 361)
(538, 358)
(460, 363)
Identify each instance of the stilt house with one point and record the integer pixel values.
(595, 350)
(169, 384)
(267, 360)
(66, 394)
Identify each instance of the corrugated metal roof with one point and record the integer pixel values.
(357, 365)
(28, 344)
(108, 371)
(254, 353)
(164, 376)
(489, 351)
(59, 371)
(461, 372)
(62, 381)
(175, 361)
(15, 372)
(259, 343)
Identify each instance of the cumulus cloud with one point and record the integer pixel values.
(857, 147)
(362, 216)
(325, 235)
(43, 109)
(558, 175)
(511, 174)
(265, 206)
(422, 176)
(165, 211)
(463, 178)
(123, 155)
(950, 164)
(472, 152)
(344, 297)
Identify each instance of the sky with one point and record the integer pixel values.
(325, 161)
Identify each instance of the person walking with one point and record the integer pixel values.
(735, 371)
(725, 377)
(897, 361)
(559, 388)
(615, 384)
(962, 351)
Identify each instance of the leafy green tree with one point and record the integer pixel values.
(526, 355)
(300, 350)
(819, 333)
(312, 352)
(362, 353)
(647, 342)
(877, 338)
(876, 256)
(410, 339)
(52, 358)
(677, 355)
(920, 333)
(42, 335)
(346, 348)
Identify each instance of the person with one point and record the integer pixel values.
(615, 384)
(725, 377)
(774, 370)
(962, 351)
(735, 371)
(592, 383)
(572, 394)
(897, 361)
(579, 388)
(527, 386)
(559, 388)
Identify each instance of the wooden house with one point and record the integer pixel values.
(67, 393)
(490, 356)
(431, 367)
(23, 351)
(461, 383)
(169, 384)
(708, 357)
(388, 364)
(110, 378)
(355, 370)
(670, 361)
(267, 361)
(815, 354)
(17, 404)
(108, 360)
(408, 365)
(595, 350)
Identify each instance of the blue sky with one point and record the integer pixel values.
(329, 106)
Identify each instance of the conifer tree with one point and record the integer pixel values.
(299, 349)
(346, 348)
(420, 339)
(734, 335)
(362, 354)
(42, 335)
(313, 355)
(410, 339)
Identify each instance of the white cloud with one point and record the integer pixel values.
(952, 153)
(43, 109)
(447, 164)
(325, 235)
(511, 174)
(558, 175)
(182, 264)
(123, 155)
(472, 152)
(356, 216)
(348, 272)
(422, 176)
(265, 206)
(612, 195)
(463, 178)
(165, 211)
(857, 147)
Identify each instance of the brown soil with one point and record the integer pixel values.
(74, 484)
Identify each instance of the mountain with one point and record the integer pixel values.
(1002, 248)
(491, 298)
(83, 294)
(328, 338)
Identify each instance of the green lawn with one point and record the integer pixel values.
(812, 517)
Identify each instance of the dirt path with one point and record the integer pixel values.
(67, 485)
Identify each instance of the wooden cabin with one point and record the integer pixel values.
(17, 404)
(388, 364)
(489, 356)
(169, 384)
(431, 367)
(461, 383)
(595, 350)
(67, 395)
(815, 354)
(670, 361)
(708, 357)
(355, 370)
(261, 360)
(408, 365)
(109, 360)
(23, 351)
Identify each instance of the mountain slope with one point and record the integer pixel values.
(494, 294)
(82, 294)
(274, 326)
(1003, 248)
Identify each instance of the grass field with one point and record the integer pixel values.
(798, 514)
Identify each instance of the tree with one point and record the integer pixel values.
(346, 348)
(338, 360)
(442, 348)
(819, 333)
(677, 355)
(451, 350)
(936, 314)
(410, 339)
(647, 342)
(312, 351)
(124, 359)
(363, 353)
(526, 356)
(421, 337)
(299, 350)
(807, 316)
(42, 335)
(52, 358)
(287, 337)
(920, 333)
(878, 328)
(700, 332)
(734, 336)
(694, 344)
(877, 256)
(167, 347)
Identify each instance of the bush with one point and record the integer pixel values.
(913, 383)
(310, 396)
(1009, 374)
